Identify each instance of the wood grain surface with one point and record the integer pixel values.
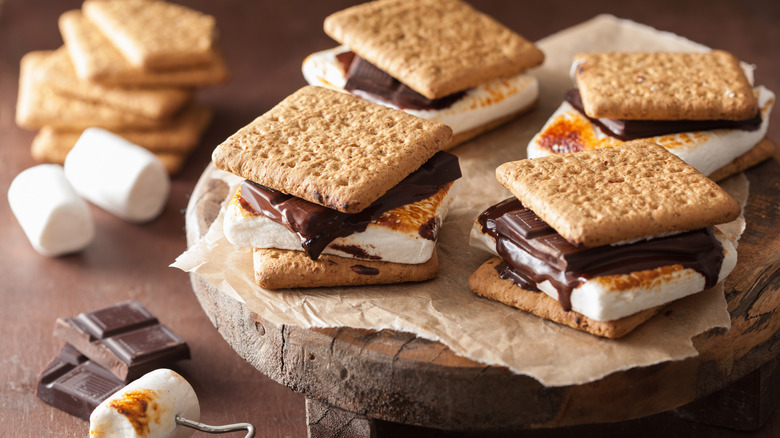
(398, 377)
(264, 44)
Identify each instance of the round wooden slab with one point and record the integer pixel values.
(398, 377)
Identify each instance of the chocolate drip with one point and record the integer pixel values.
(364, 77)
(317, 226)
(533, 252)
(633, 129)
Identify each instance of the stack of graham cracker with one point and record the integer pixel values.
(128, 66)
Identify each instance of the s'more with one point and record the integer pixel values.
(440, 60)
(338, 191)
(700, 106)
(600, 240)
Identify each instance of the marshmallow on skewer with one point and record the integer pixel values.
(117, 175)
(54, 218)
(147, 407)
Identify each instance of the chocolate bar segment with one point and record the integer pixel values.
(317, 226)
(124, 338)
(635, 129)
(364, 77)
(74, 384)
(533, 252)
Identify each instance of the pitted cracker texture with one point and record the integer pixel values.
(631, 191)
(486, 282)
(331, 148)
(155, 103)
(154, 35)
(283, 269)
(436, 47)
(52, 145)
(664, 86)
(96, 59)
(39, 105)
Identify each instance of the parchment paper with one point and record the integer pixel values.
(444, 309)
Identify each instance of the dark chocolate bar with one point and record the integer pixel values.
(74, 384)
(124, 338)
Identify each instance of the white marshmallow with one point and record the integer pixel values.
(147, 407)
(603, 299)
(393, 237)
(707, 151)
(117, 175)
(480, 105)
(54, 218)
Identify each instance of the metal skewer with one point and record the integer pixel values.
(217, 429)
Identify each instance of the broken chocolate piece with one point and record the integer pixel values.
(124, 338)
(74, 384)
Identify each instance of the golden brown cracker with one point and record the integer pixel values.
(96, 59)
(179, 138)
(664, 86)
(155, 35)
(38, 105)
(436, 47)
(485, 282)
(634, 190)
(154, 103)
(331, 148)
(49, 146)
(283, 269)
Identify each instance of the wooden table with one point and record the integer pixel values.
(264, 43)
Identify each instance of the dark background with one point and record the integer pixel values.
(264, 43)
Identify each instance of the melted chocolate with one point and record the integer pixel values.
(429, 229)
(533, 252)
(634, 129)
(364, 77)
(317, 226)
(364, 270)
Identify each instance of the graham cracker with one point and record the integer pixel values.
(331, 148)
(436, 47)
(664, 86)
(39, 105)
(630, 191)
(283, 269)
(155, 35)
(758, 153)
(51, 145)
(154, 103)
(96, 59)
(486, 282)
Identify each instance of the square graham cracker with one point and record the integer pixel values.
(40, 105)
(486, 282)
(152, 102)
(436, 47)
(630, 191)
(96, 59)
(284, 269)
(180, 138)
(331, 148)
(154, 35)
(664, 86)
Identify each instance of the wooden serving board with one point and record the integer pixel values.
(351, 376)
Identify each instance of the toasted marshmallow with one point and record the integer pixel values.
(117, 175)
(616, 296)
(405, 234)
(147, 408)
(480, 105)
(707, 151)
(54, 218)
